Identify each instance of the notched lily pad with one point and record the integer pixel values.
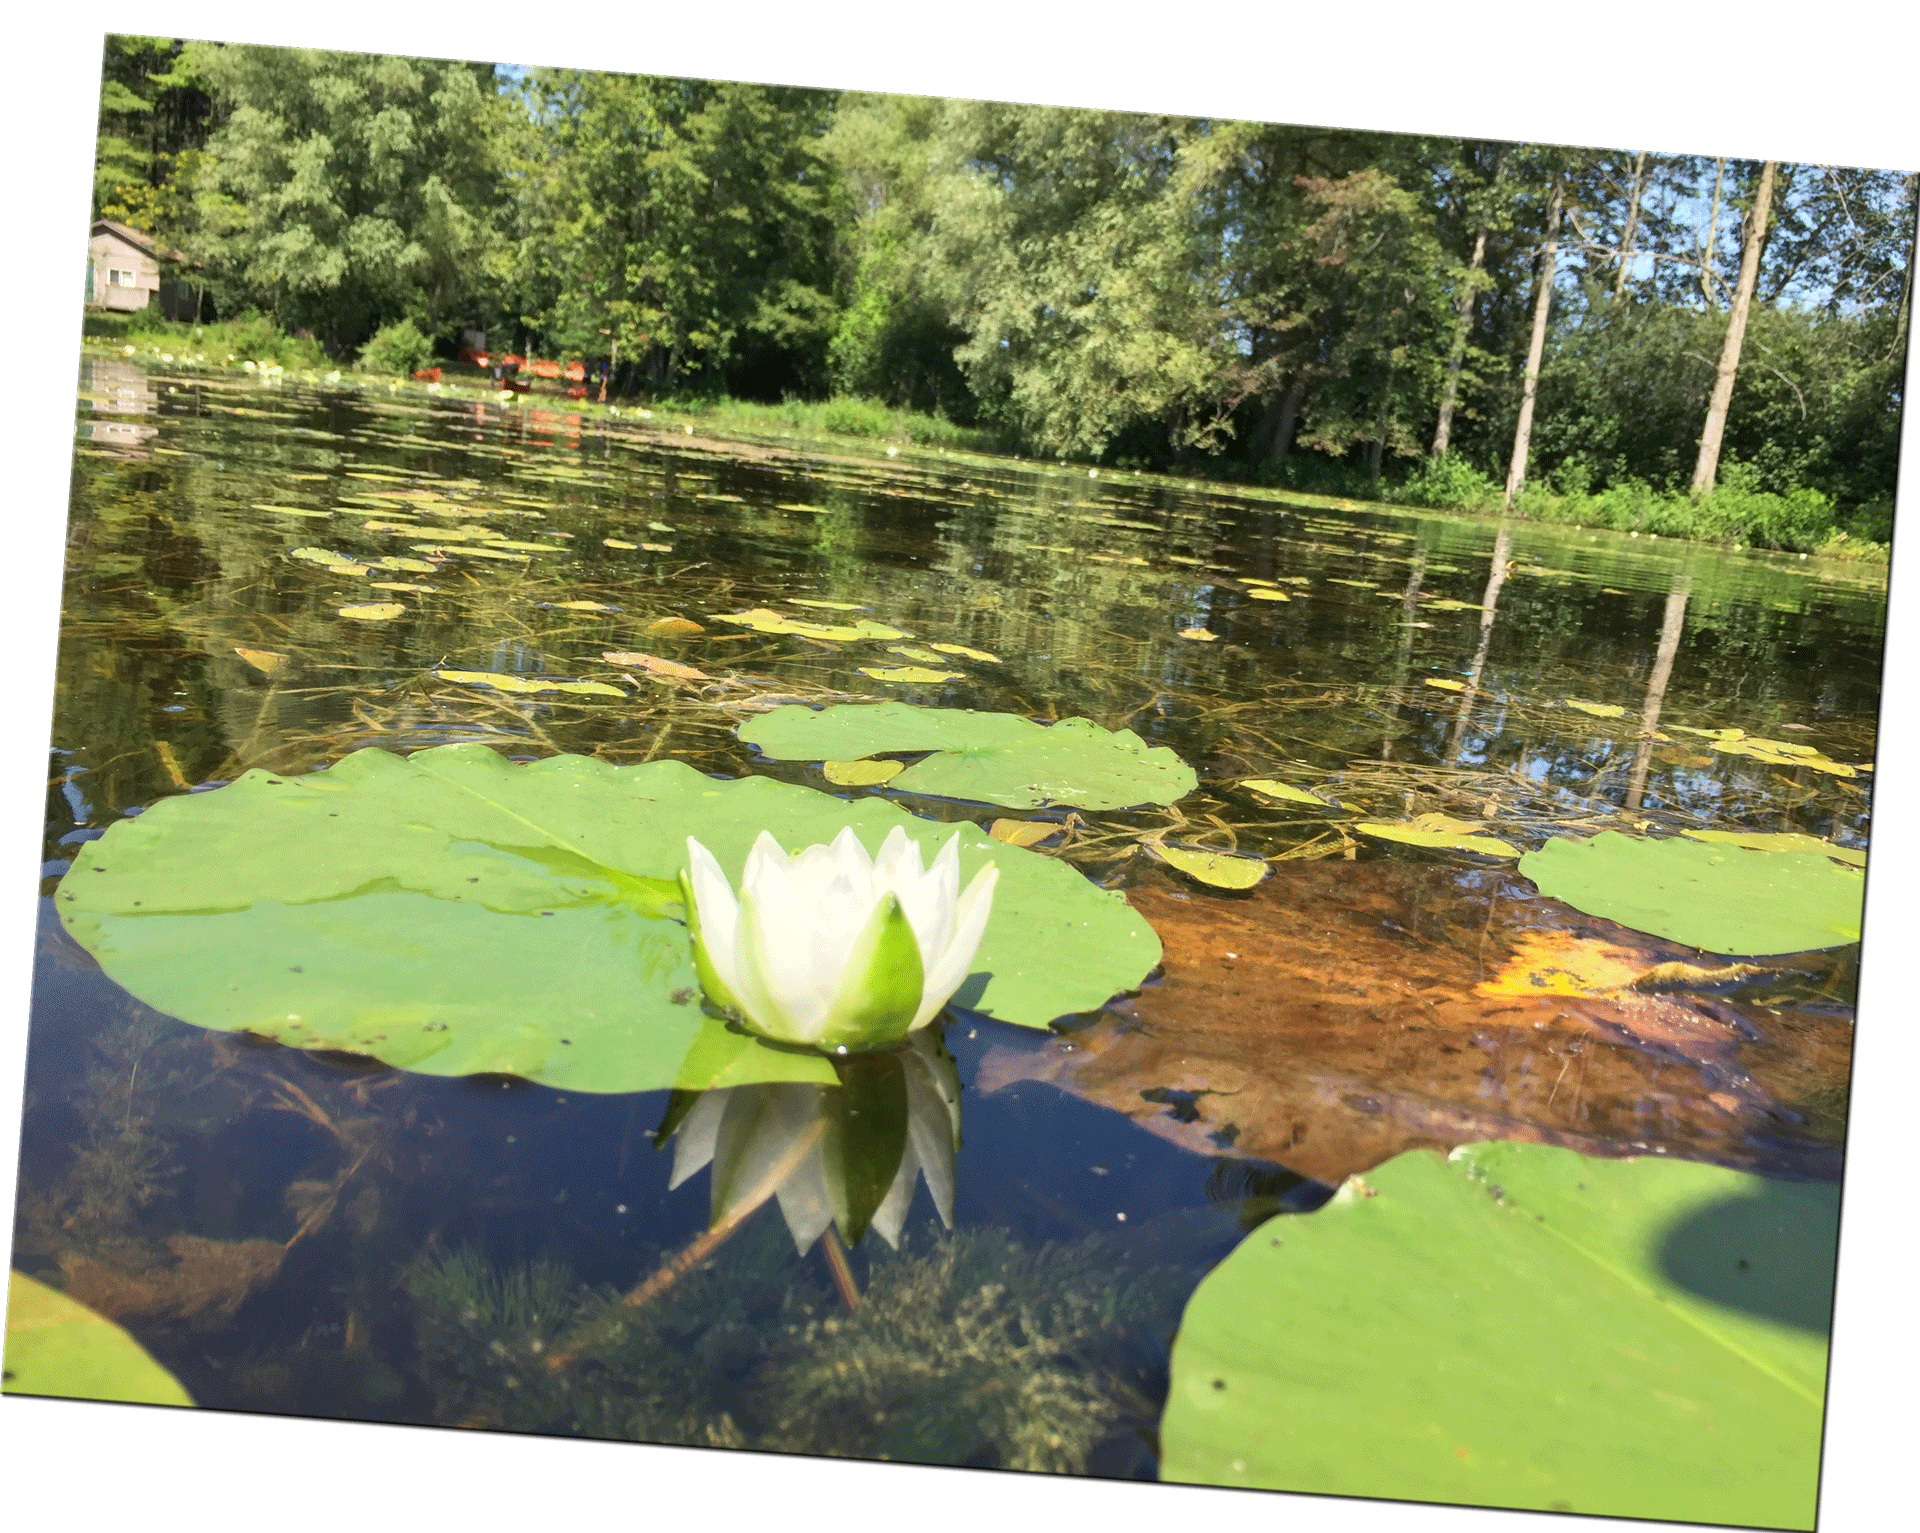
(1706, 893)
(993, 758)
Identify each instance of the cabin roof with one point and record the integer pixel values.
(141, 242)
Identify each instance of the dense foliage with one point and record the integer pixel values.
(1323, 308)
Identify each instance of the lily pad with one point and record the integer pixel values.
(914, 673)
(1273, 788)
(1437, 830)
(373, 611)
(830, 606)
(264, 660)
(1265, 593)
(766, 620)
(56, 1346)
(1521, 1326)
(617, 543)
(652, 663)
(1221, 870)
(1597, 710)
(860, 774)
(1444, 684)
(965, 653)
(455, 914)
(1781, 841)
(1199, 634)
(1723, 898)
(1023, 832)
(992, 758)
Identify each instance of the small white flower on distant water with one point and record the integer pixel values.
(832, 948)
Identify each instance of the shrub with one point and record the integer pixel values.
(1447, 483)
(397, 348)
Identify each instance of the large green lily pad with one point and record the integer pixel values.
(1521, 1326)
(991, 758)
(454, 914)
(56, 1346)
(1717, 896)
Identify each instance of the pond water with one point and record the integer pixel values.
(312, 1233)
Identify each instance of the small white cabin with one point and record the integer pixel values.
(123, 267)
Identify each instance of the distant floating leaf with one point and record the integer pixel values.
(412, 566)
(469, 551)
(914, 673)
(1781, 747)
(294, 511)
(1198, 633)
(658, 548)
(262, 659)
(525, 548)
(1245, 580)
(1708, 734)
(1781, 841)
(652, 663)
(1023, 832)
(1223, 870)
(1265, 593)
(1452, 606)
(618, 543)
(674, 625)
(926, 656)
(966, 653)
(590, 689)
(658, 527)
(402, 585)
(831, 606)
(860, 774)
(1276, 789)
(373, 611)
(1444, 684)
(1364, 585)
(766, 620)
(324, 556)
(500, 681)
(1598, 710)
(1438, 830)
(585, 606)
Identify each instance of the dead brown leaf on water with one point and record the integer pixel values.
(1344, 1012)
(261, 659)
(653, 664)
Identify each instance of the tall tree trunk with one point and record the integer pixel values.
(1376, 449)
(1274, 435)
(1633, 221)
(1672, 624)
(1497, 569)
(1713, 231)
(1536, 347)
(1706, 467)
(1457, 352)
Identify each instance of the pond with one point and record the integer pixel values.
(269, 577)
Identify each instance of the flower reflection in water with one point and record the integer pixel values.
(848, 1154)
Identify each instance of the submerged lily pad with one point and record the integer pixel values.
(1274, 788)
(992, 758)
(1437, 830)
(56, 1346)
(913, 673)
(1596, 710)
(1716, 896)
(455, 914)
(1221, 870)
(1522, 1326)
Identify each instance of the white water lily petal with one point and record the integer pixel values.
(949, 971)
(694, 1140)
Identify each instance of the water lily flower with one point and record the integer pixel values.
(849, 1154)
(832, 948)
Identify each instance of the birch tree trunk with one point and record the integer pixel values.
(1457, 353)
(1633, 222)
(1536, 347)
(1713, 230)
(1673, 623)
(1706, 468)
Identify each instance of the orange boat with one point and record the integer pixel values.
(545, 369)
(576, 372)
(577, 392)
(427, 374)
(512, 360)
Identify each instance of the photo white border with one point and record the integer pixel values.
(1830, 84)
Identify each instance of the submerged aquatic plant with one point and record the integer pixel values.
(832, 948)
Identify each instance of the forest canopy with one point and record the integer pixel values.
(1411, 317)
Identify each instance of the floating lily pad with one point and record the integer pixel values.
(1597, 710)
(500, 681)
(652, 663)
(1521, 1326)
(860, 774)
(1437, 830)
(56, 1346)
(1452, 606)
(1221, 870)
(1200, 634)
(265, 660)
(1715, 896)
(1273, 788)
(1781, 841)
(373, 611)
(1023, 832)
(766, 620)
(992, 758)
(831, 606)
(585, 606)
(966, 653)
(913, 673)
(674, 625)
(1265, 593)
(617, 543)
(912, 652)
(1444, 684)
(454, 914)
